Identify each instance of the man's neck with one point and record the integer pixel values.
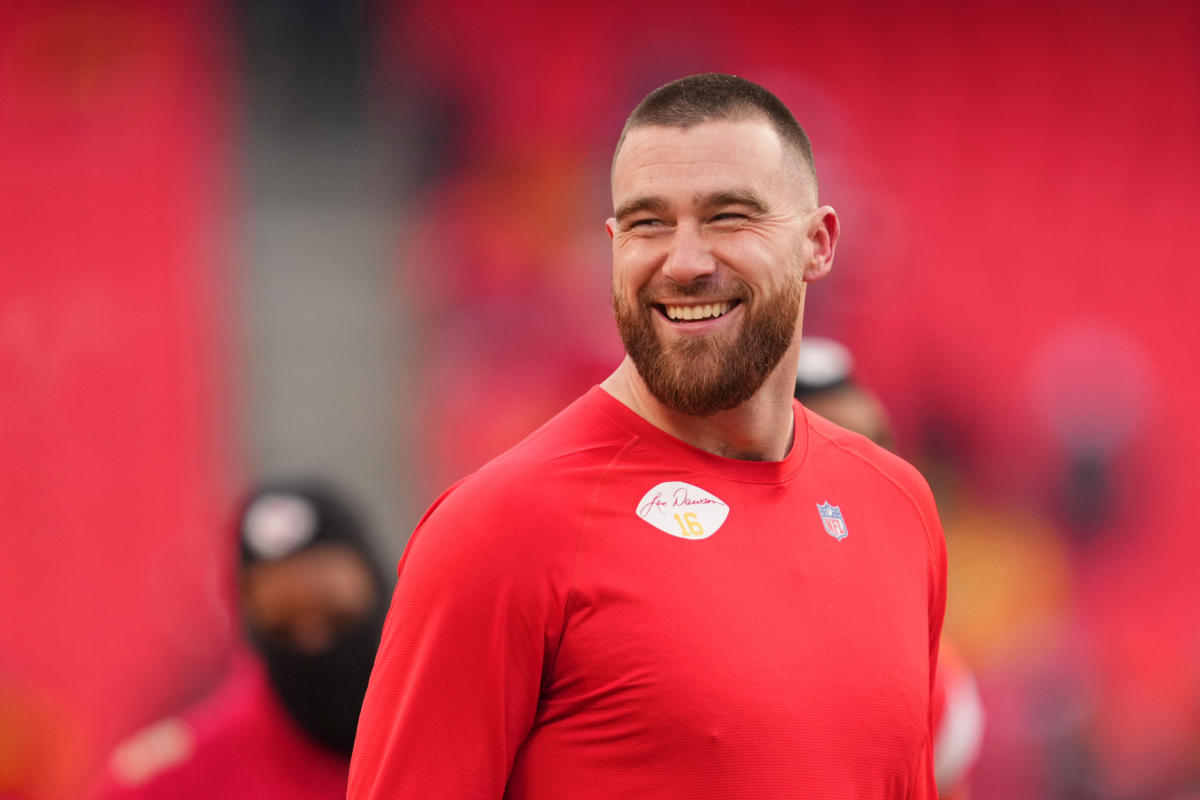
(761, 429)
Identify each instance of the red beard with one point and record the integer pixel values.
(703, 375)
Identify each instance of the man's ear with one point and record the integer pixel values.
(823, 231)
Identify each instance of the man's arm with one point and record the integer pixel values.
(476, 615)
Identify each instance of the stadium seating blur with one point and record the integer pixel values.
(1017, 278)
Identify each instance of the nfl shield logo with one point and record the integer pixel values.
(831, 518)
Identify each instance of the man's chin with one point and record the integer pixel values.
(696, 402)
(695, 389)
(698, 369)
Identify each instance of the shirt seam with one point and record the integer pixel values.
(931, 566)
(929, 538)
(580, 552)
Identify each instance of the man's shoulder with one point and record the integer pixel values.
(230, 743)
(148, 755)
(543, 479)
(181, 745)
(574, 446)
(868, 461)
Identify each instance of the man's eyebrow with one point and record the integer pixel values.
(636, 204)
(733, 198)
(658, 205)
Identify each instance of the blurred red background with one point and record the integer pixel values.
(1017, 278)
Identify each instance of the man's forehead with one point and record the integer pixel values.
(651, 140)
(744, 155)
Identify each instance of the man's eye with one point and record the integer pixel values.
(728, 216)
(645, 223)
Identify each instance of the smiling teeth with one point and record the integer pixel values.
(698, 312)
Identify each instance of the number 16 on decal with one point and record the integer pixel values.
(682, 510)
(689, 525)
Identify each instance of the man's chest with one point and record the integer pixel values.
(702, 610)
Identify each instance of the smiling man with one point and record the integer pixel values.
(683, 585)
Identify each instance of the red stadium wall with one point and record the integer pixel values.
(114, 167)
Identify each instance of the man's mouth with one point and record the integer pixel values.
(695, 313)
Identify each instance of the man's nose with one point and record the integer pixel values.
(689, 256)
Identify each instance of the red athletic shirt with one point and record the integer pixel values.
(607, 612)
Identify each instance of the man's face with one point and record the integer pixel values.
(314, 618)
(310, 598)
(712, 243)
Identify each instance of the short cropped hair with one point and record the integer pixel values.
(712, 96)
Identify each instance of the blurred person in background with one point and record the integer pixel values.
(281, 723)
(655, 595)
(826, 385)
